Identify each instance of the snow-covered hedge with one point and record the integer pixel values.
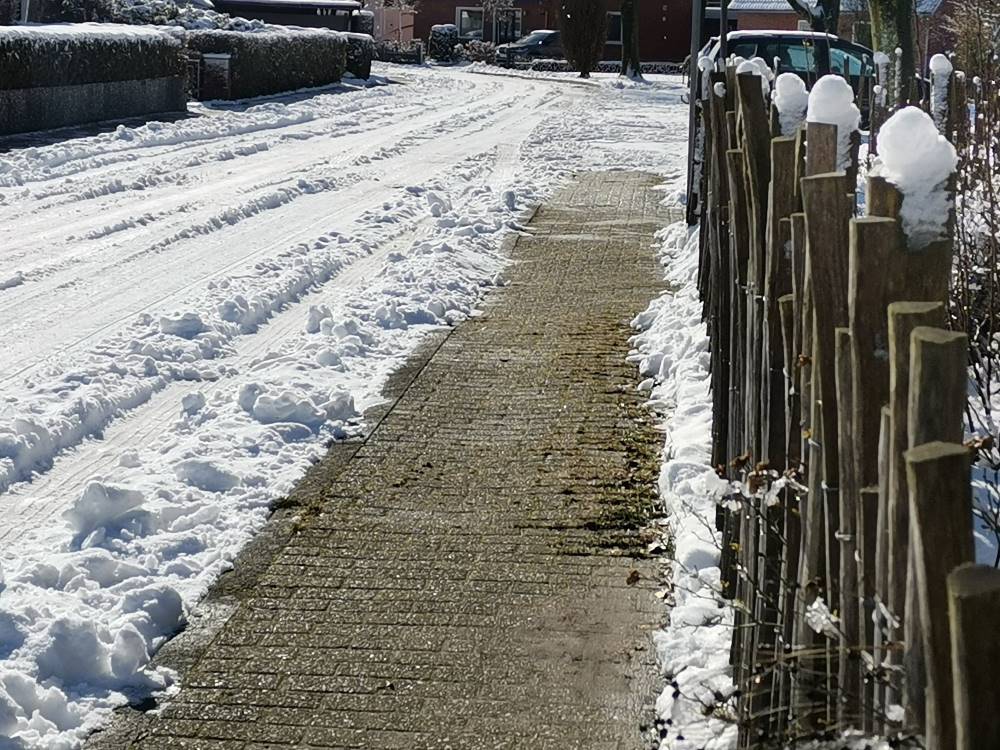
(442, 42)
(194, 14)
(71, 54)
(360, 52)
(363, 22)
(477, 51)
(608, 66)
(411, 52)
(276, 60)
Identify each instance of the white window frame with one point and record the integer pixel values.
(458, 18)
(620, 28)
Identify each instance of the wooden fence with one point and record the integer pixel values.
(839, 396)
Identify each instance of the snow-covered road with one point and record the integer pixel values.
(190, 311)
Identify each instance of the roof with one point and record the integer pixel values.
(924, 7)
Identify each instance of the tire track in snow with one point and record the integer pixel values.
(46, 497)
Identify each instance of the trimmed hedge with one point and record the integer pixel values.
(66, 55)
(360, 51)
(271, 62)
(607, 66)
(442, 42)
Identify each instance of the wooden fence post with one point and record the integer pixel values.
(941, 538)
(881, 629)
(938, 387)
(974, 612)
(848, 672)
(777, 282)
(867, 525)
(756, 137)
(903, 318)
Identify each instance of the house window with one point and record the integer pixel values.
(507, 26)
(469, 22)
(614, 28)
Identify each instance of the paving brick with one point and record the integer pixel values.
(459, 578)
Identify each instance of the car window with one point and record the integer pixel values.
(536, 37)
(793, 55)
(849, 62)
(745, 50)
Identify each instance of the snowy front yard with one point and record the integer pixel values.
(190, 312)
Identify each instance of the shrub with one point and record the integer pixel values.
(477, 51)
(360, 51)
(442, 42)
(363, 22)
(277, 59)
(169, 13)
(34, 56)
(411, 52)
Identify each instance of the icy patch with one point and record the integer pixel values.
(831, 101)
(918, 160)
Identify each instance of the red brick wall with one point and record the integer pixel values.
(767, 21)
(664, 25)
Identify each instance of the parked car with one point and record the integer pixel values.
(538, 45)
(794, 52)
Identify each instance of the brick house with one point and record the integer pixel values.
(664, 25)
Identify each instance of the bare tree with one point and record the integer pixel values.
(631, 67)
(893, 28)
(583, 25)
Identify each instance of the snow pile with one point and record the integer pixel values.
(672, 349)
(831, 101)
(753, 68)
(791, 100)
(918, 160)
(941, 69)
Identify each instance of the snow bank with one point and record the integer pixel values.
(791, 100)
(918, 160)
(672, 348)
(831, 101)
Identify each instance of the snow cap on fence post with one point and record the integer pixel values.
(918, 160)
(791, 100)
(831, 101)
(749, 66)
(941, 69)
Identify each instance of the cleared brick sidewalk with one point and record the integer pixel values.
(462, 578)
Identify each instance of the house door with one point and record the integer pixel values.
(507, 26)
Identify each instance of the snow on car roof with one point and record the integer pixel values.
(341, 4)
(777, 32)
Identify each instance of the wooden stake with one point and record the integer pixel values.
(941, 538)
(974, 609)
